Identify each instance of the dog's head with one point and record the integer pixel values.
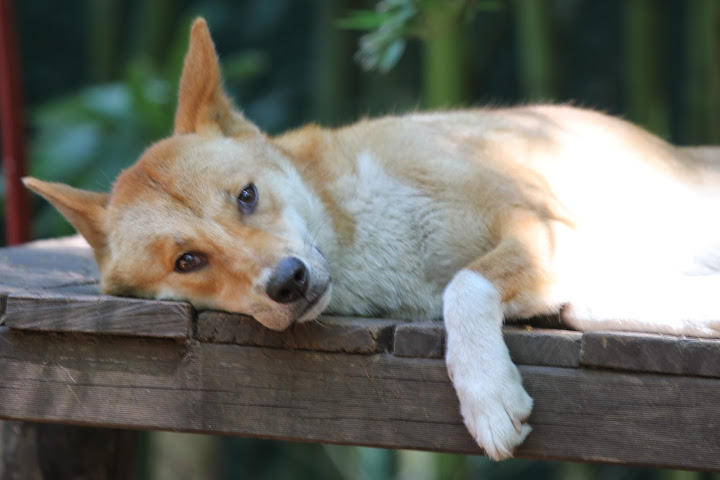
(215, 214)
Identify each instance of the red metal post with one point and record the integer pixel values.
(17, 209)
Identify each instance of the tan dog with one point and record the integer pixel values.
(471, 215)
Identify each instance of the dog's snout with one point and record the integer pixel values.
(289, 281)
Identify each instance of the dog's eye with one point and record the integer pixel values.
(187, 262)
(247, 199)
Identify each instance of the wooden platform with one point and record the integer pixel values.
(71, 355)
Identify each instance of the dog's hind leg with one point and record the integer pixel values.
(676, 305)
(493, 402)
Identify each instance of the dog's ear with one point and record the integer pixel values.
(203, 105)
(85, 210)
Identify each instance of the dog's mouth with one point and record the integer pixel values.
(317, 304)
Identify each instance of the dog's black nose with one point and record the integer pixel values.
(289, 281)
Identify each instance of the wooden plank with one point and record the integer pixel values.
(380, 400)
(640, 419)
(543, 346)
(420, 340)
(91, 288)
(46, 264)
(66, 253)
(99, 314)
(527, 345)
(327, 334)
(652, 353)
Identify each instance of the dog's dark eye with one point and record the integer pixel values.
(187, 262)
(247, 199)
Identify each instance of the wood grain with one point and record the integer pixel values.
(527, 345)
(420, 340)
(327, 334)
(652, 353)
(380, 400)
(46, 264)
(543, 346)
(99, 314)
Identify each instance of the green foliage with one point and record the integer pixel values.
(393, 22)
(85, 138)
(389, 24)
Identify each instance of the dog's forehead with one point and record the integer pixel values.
(168, 182)
(178, 157)
(184, 168)
(179, 183)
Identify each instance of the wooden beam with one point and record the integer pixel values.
(527, 345)
(379, 400)
(327, 334)
(652, 353)
(46, 265)
(99, 314)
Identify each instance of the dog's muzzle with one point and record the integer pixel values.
(289, 281)
(299, 287)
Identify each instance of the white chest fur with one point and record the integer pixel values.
(386, 269)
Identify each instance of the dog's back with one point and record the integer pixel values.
(435, 189)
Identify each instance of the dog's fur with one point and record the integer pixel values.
(474, 216)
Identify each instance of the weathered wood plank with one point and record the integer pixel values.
(527, 345)
(327, 334)
(91, 288)
(420, 340)
(652, 353)
(381, 400)
(104, 314)
(46, 264)
(642, 419)
(543, 346)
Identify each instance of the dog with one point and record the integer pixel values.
(474, 216)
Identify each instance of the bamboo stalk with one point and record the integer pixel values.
(103, 32)
(536, 60)
(646, 90)
(702, 95)
(333, 64)
(156, 23)
(444, 60)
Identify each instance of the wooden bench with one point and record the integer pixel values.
(72, 356)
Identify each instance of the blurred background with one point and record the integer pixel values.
(100, 78)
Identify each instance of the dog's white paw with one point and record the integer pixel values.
(495, 411)
(493, 402)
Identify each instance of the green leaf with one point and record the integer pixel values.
(391, 55)
(245, 65)
(363, 20)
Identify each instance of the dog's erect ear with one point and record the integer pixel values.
(85, 210)
(203, 106)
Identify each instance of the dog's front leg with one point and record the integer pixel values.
(493, 402)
